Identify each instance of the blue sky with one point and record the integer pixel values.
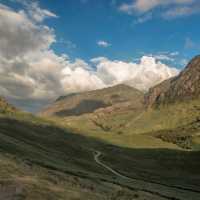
(53, 48)
(83, 23)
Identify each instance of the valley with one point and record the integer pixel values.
(116, 143)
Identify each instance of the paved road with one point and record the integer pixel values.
(152, 187)
(96, 158)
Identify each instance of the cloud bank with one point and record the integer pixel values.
(30, 71)
(142, 75)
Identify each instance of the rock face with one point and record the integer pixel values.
(185, 86)
(119, 96)
(5, 107)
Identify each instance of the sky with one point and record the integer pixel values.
(54, 48)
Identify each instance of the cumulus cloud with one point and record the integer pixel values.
(32, 73)
(28, 66)
(103, 43)
(169, 8)
(142, 75)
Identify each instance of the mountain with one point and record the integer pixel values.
(110, 99)
(185, 86)
(42, 160)
(125, 116)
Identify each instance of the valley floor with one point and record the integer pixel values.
(39, 160)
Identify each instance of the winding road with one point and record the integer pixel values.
(97, 154)
(147, 186)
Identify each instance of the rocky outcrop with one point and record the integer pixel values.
(185, 86)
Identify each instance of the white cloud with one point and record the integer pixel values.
(103, 43)
(146, 5)
(34, 11)
(175, 53)
(143, 75)
(190, 44)
(181, 11)
(165, 56)
(30, 71)
(169, 8)
(144, 18)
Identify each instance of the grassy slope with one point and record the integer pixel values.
(170, 107)
(47, 162)
(42, 161)
(131, 128)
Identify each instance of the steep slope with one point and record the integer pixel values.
(88, 102)
(186, 86)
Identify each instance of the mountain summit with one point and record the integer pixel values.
(112, 98)
(185, 86)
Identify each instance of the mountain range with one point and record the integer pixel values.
(121, 111)
(117, 143)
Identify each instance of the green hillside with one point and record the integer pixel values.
(172, 105)
(148, 148)
(44, 161)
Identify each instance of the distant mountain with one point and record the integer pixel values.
(185, 86)
(5, 107)
(119, 114)
(116, 97)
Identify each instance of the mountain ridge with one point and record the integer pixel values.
(88, 102)
(185, 86)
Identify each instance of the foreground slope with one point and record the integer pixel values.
(42, 161)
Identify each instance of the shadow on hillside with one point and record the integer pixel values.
(85, 106)
(59, 149)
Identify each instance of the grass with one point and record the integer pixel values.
(44, 161)
(20, 180)
(52, 158)
(134, 128)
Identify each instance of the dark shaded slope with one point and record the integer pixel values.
(85, 106)
(59, 150)
(88, 102)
